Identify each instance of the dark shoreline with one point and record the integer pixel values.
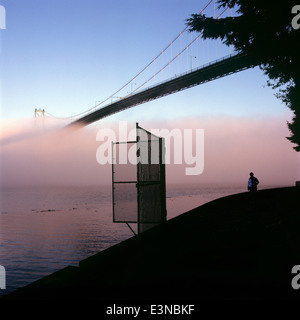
(241, 246)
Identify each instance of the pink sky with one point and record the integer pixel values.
(232, 148)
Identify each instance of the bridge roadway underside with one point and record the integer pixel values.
(210, 72)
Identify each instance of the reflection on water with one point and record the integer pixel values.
(46, 229)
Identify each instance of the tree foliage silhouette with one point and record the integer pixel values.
(263, 30)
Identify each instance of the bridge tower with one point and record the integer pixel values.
(39, 116)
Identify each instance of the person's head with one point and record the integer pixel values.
(251, 174)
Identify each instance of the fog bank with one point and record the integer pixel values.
(33, 155)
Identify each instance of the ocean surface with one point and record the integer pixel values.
(44, 229)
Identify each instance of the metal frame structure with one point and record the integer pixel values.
(144, 183)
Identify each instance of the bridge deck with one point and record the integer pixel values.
(210, 72)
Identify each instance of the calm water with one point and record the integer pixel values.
(46, 229)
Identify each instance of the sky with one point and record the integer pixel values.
(66, 56)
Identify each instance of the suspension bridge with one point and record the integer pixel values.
(215, 70)
(181, 75)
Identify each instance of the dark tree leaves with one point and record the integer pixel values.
(263, 30)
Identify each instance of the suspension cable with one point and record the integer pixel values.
(146, 67)
(165, 65)
(152, 77)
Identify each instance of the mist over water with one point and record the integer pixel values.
(31, 154)
(56, 198)
(48, 156)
